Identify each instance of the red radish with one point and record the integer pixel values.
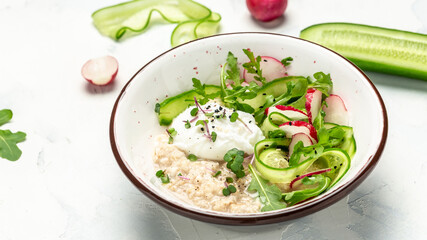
(100, 71)
(313, 103)
(288, 111)
(271, 69)
(293, 127)
(335, 111)
(304, 138)
(266, 10)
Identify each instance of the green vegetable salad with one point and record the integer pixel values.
(308, 144)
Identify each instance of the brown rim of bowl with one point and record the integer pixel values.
(296, 212)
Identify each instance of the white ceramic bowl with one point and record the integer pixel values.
(134, 123)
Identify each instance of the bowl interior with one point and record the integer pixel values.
(135, 124)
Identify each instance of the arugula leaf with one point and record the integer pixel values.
(253, 66)
(5, 116)
(269, 195)
(327, 138)
(233, 73)
(276, 134)
(244, 107)
(323, 83)
(8, 140)
(198, 86)
(313, 151)
(200, 89)
(234, 158)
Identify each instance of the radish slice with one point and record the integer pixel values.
(335, 111)
(288, 111)
(306, 141)
(313, 103)
(271, 69)
(100, 71)
(293, 127)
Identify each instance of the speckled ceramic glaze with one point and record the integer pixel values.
(134, 123)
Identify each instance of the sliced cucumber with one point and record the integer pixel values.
(349, 143)
(274, 157)
(291, 198)
(273, 121)
(337, 160)
(276, 88)
(374, 48)
(173, 106)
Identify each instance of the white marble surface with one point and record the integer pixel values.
(67, 184)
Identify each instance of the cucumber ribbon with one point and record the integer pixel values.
(333, 158)
(130, 18)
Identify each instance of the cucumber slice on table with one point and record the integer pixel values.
(374, 48)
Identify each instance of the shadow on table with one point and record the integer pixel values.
(367, 213)
(386, 80)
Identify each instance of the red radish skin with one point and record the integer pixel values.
(100, 71)
(288, 111)
(335, 111)
(266, 10)
(313, 103)
(304, 138)
(294, 127)
(271, 69)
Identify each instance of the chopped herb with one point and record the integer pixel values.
(225, 192)
(234, 159)
(216, 174)
(192, 157)
(194, 111)
(234, 116)
(163, 177)
(179, 174)
(157, 108)
(229, 179)
(213, 136)
(287, 61)
(187, 124)
(254, 66)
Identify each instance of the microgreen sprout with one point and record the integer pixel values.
(216, 174)
(192, 157)
(163, 176)
(234, 116)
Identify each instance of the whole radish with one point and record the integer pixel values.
(266, 10)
